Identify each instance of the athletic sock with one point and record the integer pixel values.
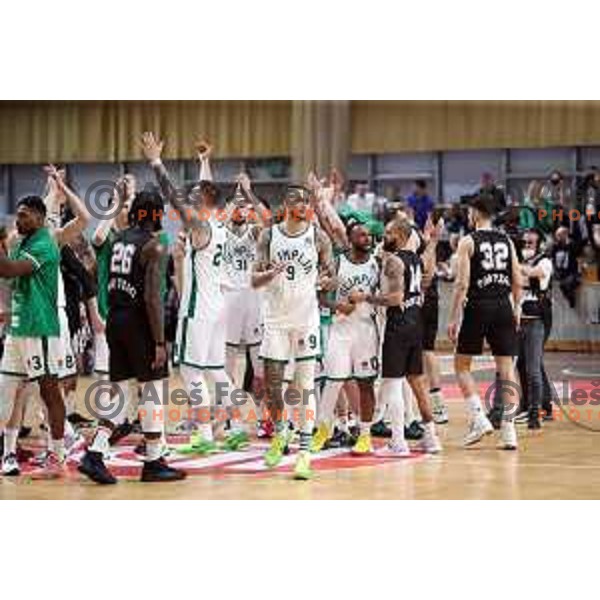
(474, 405)
(365, 427)
(10, 441)
(394, 396)
(100, 441)
(305, 440)
(437, 399)
(206, 431)
(153, 448)
(58, 447)
(410, 412)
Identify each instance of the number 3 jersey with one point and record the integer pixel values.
(290, 300)
(491, 266)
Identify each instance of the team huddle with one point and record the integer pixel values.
(316, 307)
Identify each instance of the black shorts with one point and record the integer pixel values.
(429, 319)
(491, 320)
(131, 348)
(402, 352)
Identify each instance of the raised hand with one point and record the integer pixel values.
(151, 146)
(244, 181)
(204, 149)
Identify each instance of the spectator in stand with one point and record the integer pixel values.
(530, 216)
(421, 203)
(456, 220)
(365, 201)
(491, 188)
(564, 260)
(590, 201)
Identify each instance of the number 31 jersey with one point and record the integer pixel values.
(291, 298)
(491, 266)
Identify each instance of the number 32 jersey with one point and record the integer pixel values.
(491, 266)
(290, 300)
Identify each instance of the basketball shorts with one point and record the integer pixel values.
(402, 351)
(429, 318)
(200, 343)
(131, 348)
(288, 344)
(243, 318)
(352, 350)
(68, 366)
(491, 321)
(32, 358)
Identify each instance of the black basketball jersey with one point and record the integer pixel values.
(410, 313)
(126, 277)
(534, 300)
(491, 266)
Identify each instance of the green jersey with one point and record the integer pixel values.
(35, 297)
(103, 252)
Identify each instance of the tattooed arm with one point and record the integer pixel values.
(393, 271)
(201, 230)
(151, 259)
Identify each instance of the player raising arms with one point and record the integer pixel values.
(488, 287)
(290, 257)
(135, 338)
(245, 222)
(201, 332)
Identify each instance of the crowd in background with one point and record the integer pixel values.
(571, 243)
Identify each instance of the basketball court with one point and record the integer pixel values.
(560, 462)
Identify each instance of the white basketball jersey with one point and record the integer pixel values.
(203, 272)
(291, 298)
(360, 277)
(240, 254)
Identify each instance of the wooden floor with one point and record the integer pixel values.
(563, 461)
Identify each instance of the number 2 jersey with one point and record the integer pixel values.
(203, 277)
(290, 300)
(491, 266)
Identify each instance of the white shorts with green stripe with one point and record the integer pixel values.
(200, 343)
(32, 357)
(352, 350)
